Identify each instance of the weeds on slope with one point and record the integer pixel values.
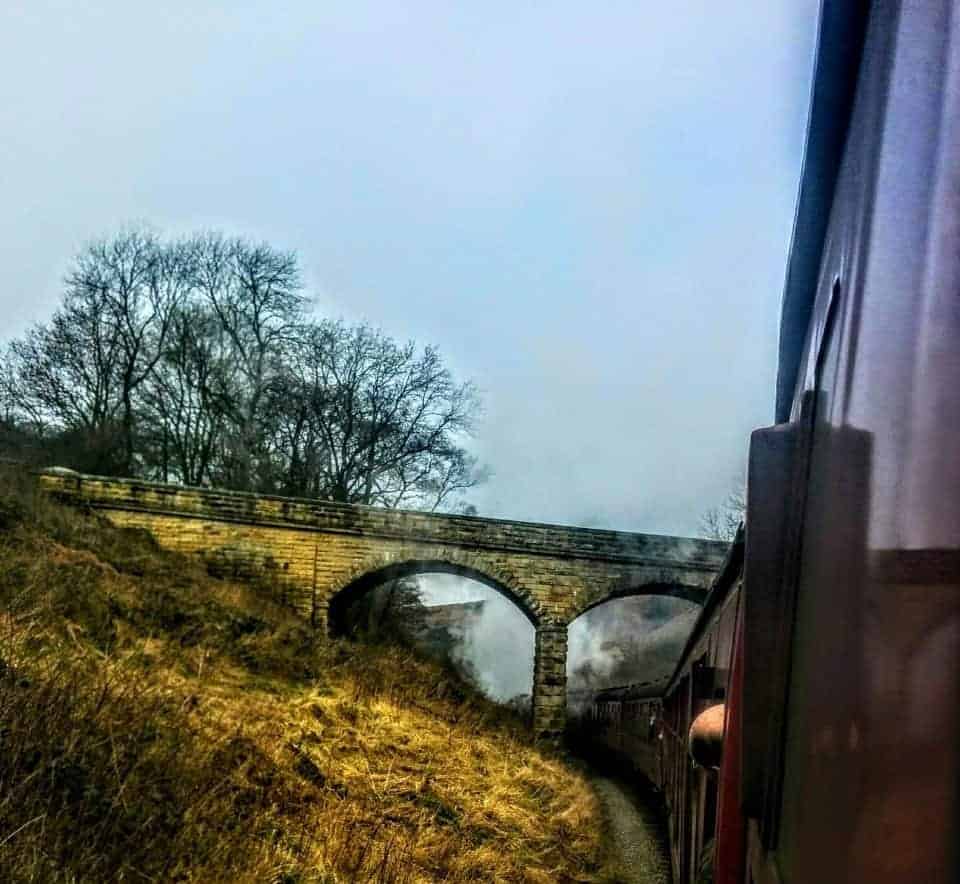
(157, 724)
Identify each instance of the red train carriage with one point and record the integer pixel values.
(689, 779)
(830, 642)
(626, 723)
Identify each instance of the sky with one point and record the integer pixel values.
(585, 206)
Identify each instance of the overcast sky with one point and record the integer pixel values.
(585, 206)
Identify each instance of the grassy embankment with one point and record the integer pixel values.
(158, 724)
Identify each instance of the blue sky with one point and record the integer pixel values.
(586, 207)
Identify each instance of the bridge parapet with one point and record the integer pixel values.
(333, 517)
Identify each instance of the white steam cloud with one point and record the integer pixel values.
(622, 642)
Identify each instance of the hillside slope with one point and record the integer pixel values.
(157, 724)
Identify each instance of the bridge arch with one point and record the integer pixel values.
(377, 572)
(684, 591)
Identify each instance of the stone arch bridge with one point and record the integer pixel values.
(322, 554)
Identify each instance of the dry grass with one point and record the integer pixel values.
(157, 724)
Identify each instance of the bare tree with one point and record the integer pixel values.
(185, 398)
(63, 377)
(194, 361)
(128, 289)
(721, 522)
(254, 291)
(80, 374)
(362, 419)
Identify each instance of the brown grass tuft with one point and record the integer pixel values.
(157, 724)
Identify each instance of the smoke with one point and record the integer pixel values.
(498, 645)
(625, 641)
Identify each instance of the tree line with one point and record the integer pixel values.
(196, 360)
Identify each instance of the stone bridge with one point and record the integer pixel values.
(322, 555)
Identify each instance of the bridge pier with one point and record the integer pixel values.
(550, 681)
